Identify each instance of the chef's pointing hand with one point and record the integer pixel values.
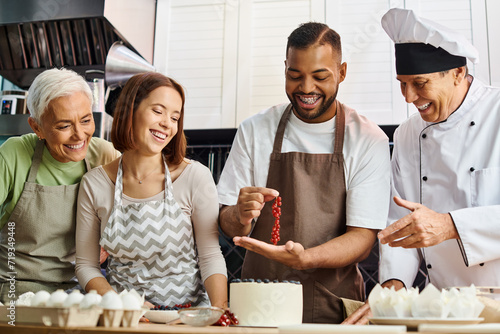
(422, 227)
(251, 200)
(291, 254)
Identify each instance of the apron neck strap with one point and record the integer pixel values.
(87, 164)
(339, 129)
(278, 139)
(37, 159)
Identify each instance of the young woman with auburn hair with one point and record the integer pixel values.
(154, 211)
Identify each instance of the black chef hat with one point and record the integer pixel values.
(423, 46)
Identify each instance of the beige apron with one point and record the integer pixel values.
(312, 187)
(45, 222)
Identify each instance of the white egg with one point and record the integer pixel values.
(40, 298)
(111, 301)
(57, 298)
(90, 299)
(74, 298)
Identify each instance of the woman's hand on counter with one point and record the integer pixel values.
(100, 284)
(216, 286)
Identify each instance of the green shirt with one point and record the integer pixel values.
(15, 162)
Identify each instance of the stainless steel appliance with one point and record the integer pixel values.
(40, 34)
(13, 102)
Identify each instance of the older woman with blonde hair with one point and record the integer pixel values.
(39, 178)
(154, 211)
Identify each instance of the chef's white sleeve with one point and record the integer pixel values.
(479, 231)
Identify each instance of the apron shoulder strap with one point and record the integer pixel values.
(36, 160)
(87, 164)
(280, 132)
(169, 188)
(339, 129)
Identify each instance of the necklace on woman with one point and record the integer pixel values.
(135, 177)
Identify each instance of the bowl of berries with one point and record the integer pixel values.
(200, 316)
(163, 314)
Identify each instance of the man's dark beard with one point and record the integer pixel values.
(323, 108)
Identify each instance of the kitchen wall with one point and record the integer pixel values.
(229, 54)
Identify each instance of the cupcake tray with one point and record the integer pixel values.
(72, 316)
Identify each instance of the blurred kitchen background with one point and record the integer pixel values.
(228, 54)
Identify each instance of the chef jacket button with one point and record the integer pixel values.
(424, 135)
(424, 178)
(429, 266)
(472, 169)
(481, 264)
(472, 123)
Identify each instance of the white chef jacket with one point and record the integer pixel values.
(365, 150)
(451, 166)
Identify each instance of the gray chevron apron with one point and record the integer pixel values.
(45, 223)
(152, 250)
(312, 187)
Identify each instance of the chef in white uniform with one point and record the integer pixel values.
(445, 164)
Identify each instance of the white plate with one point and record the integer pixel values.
(329, 329)
(414, 322)
(160, 316)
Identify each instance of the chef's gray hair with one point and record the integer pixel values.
(52, 84)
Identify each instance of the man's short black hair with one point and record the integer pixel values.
(311, 33)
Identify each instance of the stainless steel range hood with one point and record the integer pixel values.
(77, 34)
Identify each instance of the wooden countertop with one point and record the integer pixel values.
(142, 328)
(173, 329)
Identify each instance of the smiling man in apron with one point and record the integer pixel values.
(330, 166)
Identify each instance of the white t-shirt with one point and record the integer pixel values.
(195, 192)
(365, 150)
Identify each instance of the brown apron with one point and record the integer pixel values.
(44, 221)
(312, 187)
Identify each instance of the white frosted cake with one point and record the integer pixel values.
(266, 304)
